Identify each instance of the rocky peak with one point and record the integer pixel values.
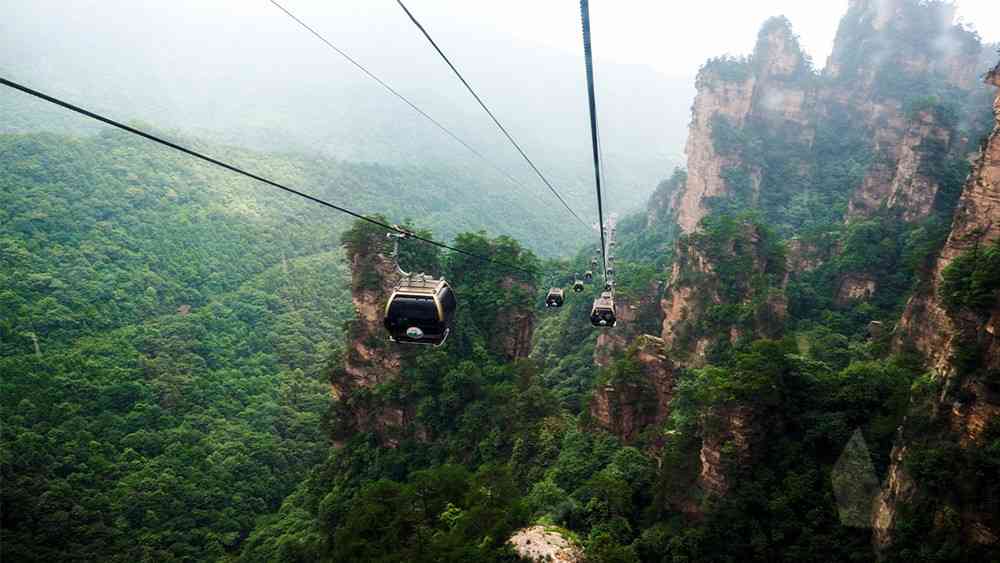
(777, 53)
(369, 360)
(773, 88)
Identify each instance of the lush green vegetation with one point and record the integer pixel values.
(169, 333)
(972, 280)
(163, 333)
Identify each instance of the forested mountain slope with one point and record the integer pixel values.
(805, 367)
(756, 418)
(164, 332)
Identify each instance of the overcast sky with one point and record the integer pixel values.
(673, 36)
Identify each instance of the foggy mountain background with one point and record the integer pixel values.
(250, 76)
(245, 74)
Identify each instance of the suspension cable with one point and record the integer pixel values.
(585, 16)
(490, 113)
(409, 103)
(240, 171)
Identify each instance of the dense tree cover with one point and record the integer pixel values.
(162, 336)
(165, 330)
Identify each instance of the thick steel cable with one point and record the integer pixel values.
(588, 58)
(406, 100)
(251, 175)
(482, 104)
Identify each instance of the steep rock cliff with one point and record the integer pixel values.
(638, 392)
(731, 440)
(514, 327)
(731, 94)
(893, 61)
(725, 278)
(960, 412)
(369, 359)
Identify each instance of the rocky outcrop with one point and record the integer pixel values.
(730, 94)
(727, 280)
(514, 327)
(732, 437)
(856, 287)
(926, 324)
(717, 96)
(959, 415)
(889, 54)
(626, 407)
(369, 359)
(545, 544)
(900, 178)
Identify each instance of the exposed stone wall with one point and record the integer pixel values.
(369, 358)
(715, 97)
(695, 286)
(968, 403)
(732, 439)
(514, 327)
(626, 409)
(769, 94)
(926, 324)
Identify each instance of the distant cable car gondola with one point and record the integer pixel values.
(603, 313)
(588, 275)
(578, 285)
(593, 263)
(555, 297)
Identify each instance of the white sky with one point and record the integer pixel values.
(672, 36)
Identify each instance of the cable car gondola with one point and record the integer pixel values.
(603, 313)
(420, 311)
(588, 276)
(555, 297)
(578, 286)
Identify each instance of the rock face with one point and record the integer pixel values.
(731, 94)
(710, 289)
(369, 359)
(968, 402)
(514, 328)
(635, 315)
(731, 439)
(877, 65)
(537, 543)
(926, 323)
(626, 408)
